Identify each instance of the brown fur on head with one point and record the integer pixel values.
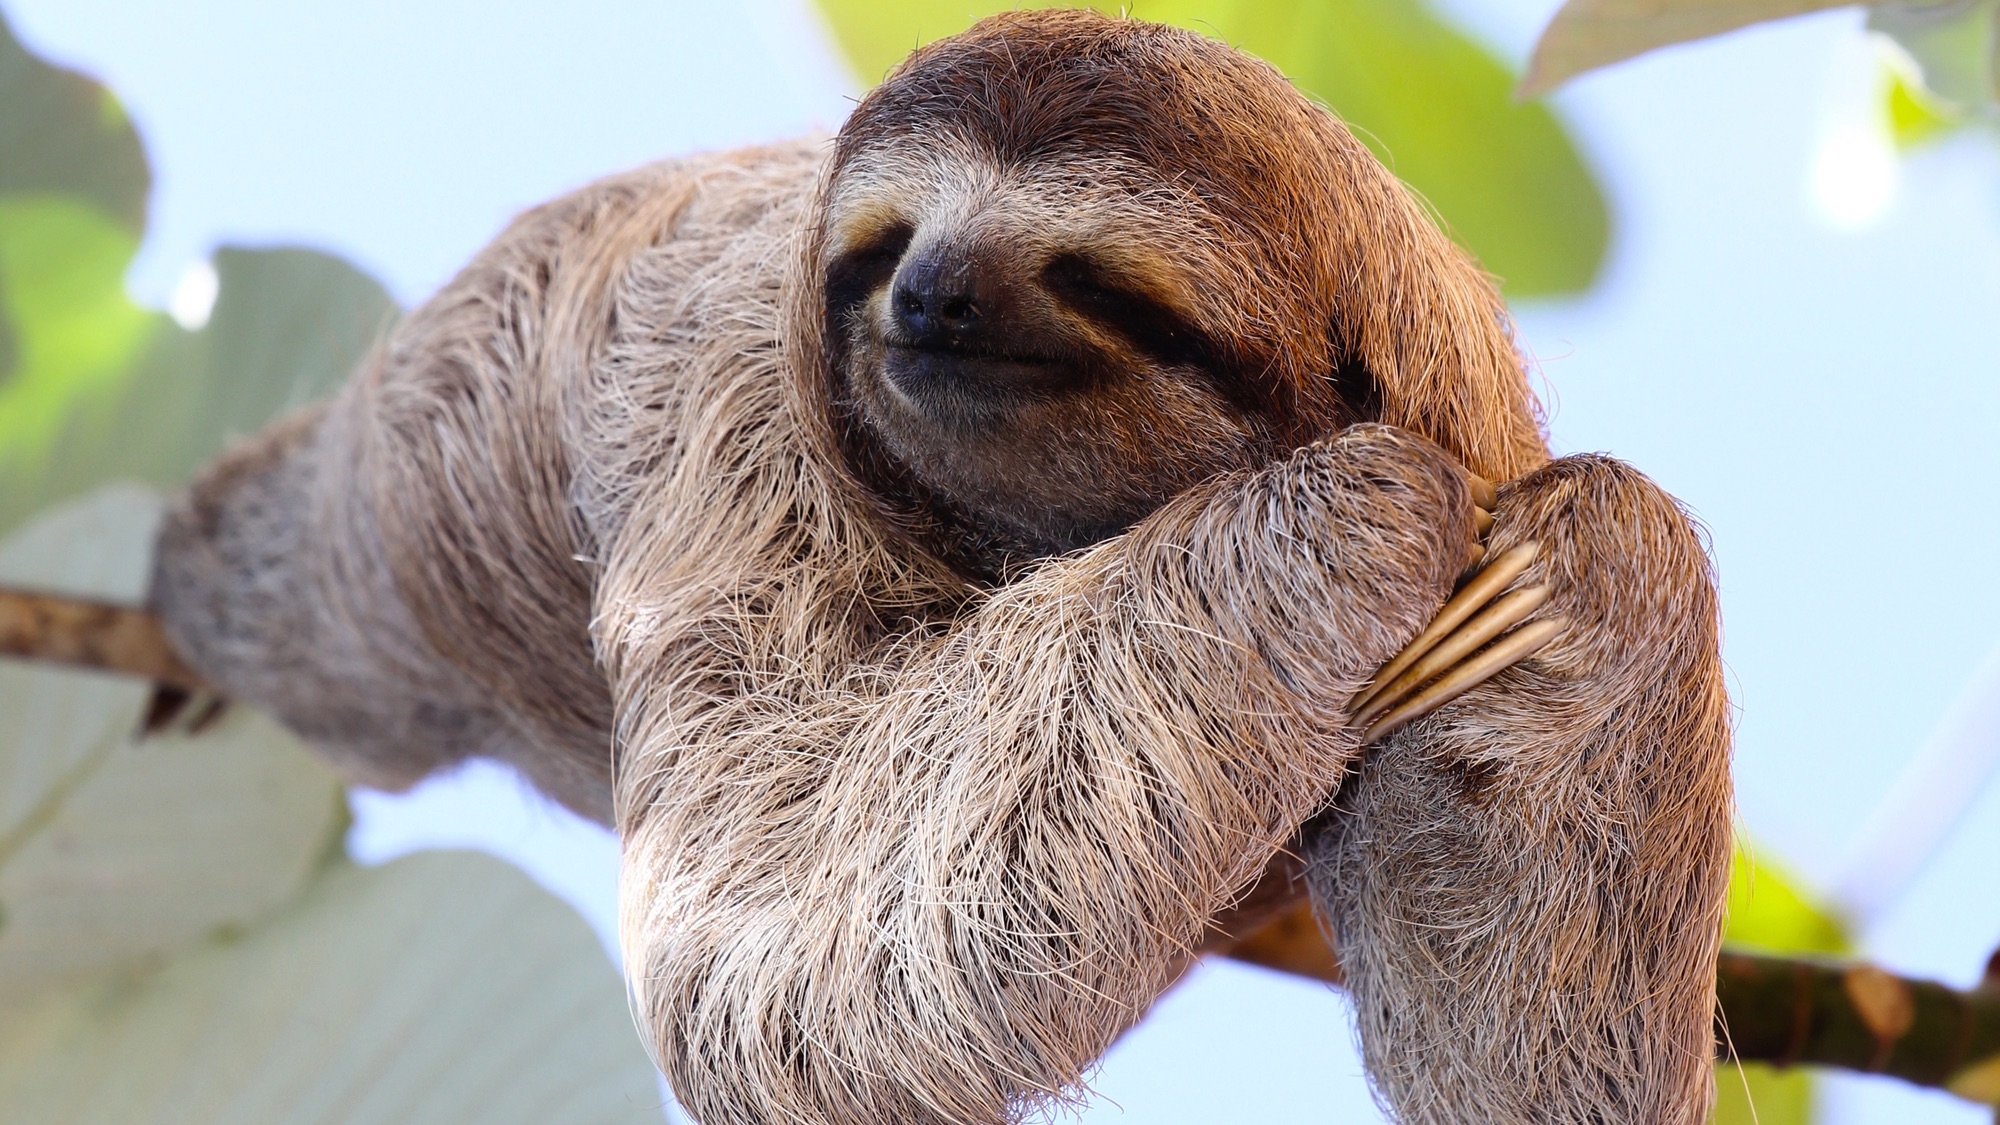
(1068, 266)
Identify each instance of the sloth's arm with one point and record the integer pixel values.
(923, 884)
(1527, 885)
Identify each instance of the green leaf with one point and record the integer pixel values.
(72, 331)
(113, 852)
(442, 988)
(63, 134)
(876, 34)
(288, 326)
(1587, 34)
(1758, 1094)
(1440, 111)
(1769, 910)
(73, 185)
(1916, 115)
(94, 388)
(1504, 176)
(1956, 48)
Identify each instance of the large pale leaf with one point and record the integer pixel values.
(51, 719)
(1769, 910)
(114, 851)
(1587, 34)
(442, 988)
(1504, 176)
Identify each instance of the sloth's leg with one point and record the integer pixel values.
(1526, 885)
(275, 610)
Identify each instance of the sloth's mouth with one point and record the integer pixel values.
(961, 352)
(928, 375)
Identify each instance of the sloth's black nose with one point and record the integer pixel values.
(938, 301)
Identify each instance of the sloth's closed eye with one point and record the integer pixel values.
(860, 271)
(1149, 324)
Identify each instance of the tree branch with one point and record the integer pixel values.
(1784, 1011)
(91, 634)
(1855, 1016)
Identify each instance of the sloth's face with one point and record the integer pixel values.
(1033, 341)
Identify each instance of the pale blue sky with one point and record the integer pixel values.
(1826, 400)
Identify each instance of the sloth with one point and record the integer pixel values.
(957, 558)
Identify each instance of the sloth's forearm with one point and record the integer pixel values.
(989, 856)
(1551, 850)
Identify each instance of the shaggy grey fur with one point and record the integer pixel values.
(903, 848)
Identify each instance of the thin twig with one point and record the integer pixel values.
(91, 634)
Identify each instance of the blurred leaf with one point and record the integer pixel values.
(112, 851)
(72, 330)
(876, 34)
(55, 717)
(176, 946)
(1439, 109)
(442, 988)
(1916, 114)
(10, 349)
(94, 388)
(162, 843)
(175, 943)
(1758, 1094)
(73, 184)
(1954, 47)
(288, 326)
(64, 134)
(1587, 34)
(1768, 910)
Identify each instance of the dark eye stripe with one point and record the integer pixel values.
(1149, 325)
(866, 268)
(1162, 335)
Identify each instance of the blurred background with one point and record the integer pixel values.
(1761, 267)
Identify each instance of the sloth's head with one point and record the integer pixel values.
(1068, 266)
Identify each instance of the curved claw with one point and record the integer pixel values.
(1483, 587)
(1495, 619)
(1504, 653)
(1483, 493)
